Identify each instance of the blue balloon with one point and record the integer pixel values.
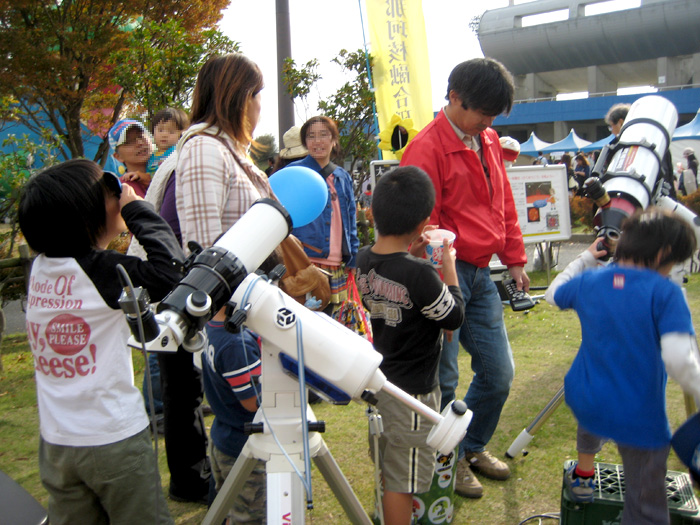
(302, 191)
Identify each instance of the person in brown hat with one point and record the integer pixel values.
(293, 148)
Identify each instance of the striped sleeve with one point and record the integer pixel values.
(239, 361)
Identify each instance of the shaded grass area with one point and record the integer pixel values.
(544, 343)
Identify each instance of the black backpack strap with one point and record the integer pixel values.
(330, 168)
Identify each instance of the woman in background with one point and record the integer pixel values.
(581, 172)
(571, 181)
(331, 240)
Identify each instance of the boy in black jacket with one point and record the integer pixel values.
(409, 307)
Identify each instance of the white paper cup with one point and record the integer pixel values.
(434, 249)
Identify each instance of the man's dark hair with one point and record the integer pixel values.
(177, 115)
(483, 84)
(402, 198)
(62, 209)
(616, 113)
(647, 233)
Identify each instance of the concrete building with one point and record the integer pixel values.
(591, 56)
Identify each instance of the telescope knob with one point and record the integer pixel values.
(459, 407)
(198, 303)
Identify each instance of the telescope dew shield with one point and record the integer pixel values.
(630, 177)
(646, 135)
(257, 233)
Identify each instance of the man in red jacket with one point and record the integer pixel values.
(463, 157)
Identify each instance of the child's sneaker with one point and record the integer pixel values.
(580, 489)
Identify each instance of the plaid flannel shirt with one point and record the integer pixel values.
(214, 188)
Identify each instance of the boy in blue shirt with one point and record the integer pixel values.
(228, 366)
(636, 328)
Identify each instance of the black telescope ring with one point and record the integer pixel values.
(646, 120)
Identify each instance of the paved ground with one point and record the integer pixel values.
(568, 251)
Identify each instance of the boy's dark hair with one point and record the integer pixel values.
(646, 233)
(177, 115)
(402, 198)
(62, 209)
(482, 84)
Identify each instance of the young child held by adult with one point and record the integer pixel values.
(636, 328)
(95, 456)
(409, 307)
(167, 127)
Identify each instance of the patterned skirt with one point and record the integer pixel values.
(339, 283)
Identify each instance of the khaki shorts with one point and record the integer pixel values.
(407, 463)
(250, 504)
(114, 483)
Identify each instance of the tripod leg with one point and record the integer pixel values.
(337, 482)
(526, 435)
(233, 485)
(285, 498)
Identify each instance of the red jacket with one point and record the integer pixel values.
(484, 224)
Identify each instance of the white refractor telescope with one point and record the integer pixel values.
(297, 344)
(627, 176)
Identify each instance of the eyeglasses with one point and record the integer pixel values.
(324, 135)
(610, 129)
(112, 183)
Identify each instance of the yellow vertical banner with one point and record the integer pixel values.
(400, 68)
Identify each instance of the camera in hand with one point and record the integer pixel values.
(519, 299)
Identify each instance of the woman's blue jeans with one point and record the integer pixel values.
(483, 335)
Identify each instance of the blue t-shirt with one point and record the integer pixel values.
(156, 159)
(616, 386)
(227, 366)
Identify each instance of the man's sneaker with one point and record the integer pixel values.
(467, 485)
(580, 489)
(484, 463)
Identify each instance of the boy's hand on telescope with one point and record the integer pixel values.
(593, 248)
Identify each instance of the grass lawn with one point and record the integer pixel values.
(544, 343)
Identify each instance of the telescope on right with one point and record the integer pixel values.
(627, 176)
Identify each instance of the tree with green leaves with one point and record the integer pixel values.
(350, 106)
(17, 164)
(159, 65)
(56, 58)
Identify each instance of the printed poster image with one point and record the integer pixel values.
(542, 200)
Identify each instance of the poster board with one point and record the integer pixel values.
(541, 195)
(378, 167)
